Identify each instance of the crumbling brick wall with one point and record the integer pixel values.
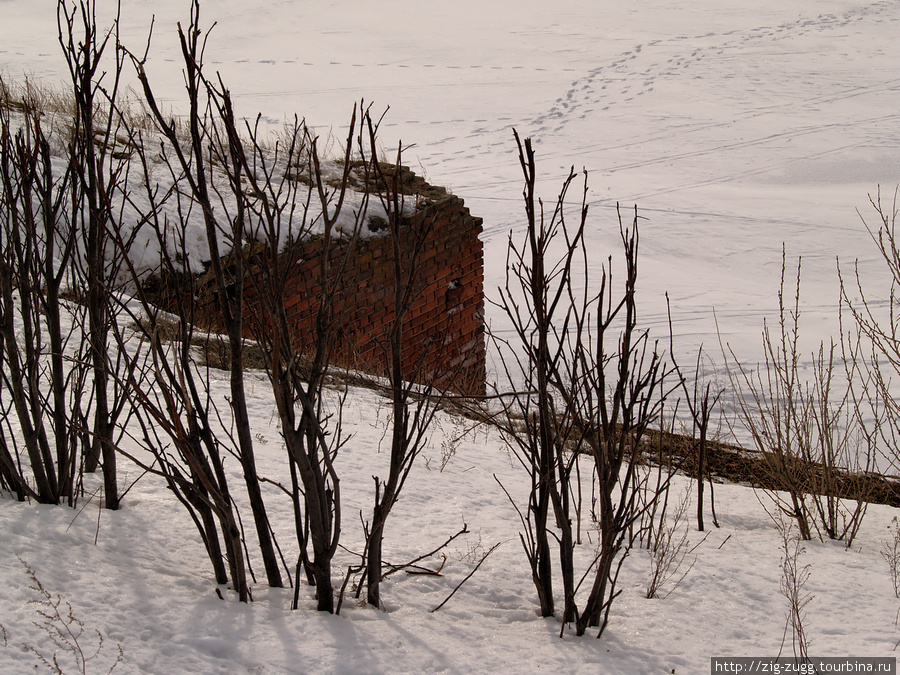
(444, 327)
(445, 323)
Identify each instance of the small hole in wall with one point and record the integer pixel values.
(453, 297)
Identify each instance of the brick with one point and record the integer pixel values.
(365, 304)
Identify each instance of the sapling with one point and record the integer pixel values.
(75, 646)
(794, 577)
(890, 551)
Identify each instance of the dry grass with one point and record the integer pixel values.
(215, 352)
(212, 349)
(734, 464)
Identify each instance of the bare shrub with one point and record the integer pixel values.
(843, 446)
(807, 429)
(64, 382)
(669, 546)
(701, 401)
(298, 366)
(101, 176)
(37, 239)
(450, 440)
(207, 165)
(890, 551)
(592, 383)
(794, 577)
(75, 645)
(416, 394)
(875, 317)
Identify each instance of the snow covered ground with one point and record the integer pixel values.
(733, 126)
(146, 584)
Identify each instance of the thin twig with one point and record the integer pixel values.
(412, 563)
(468, 576)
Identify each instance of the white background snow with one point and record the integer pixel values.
(734, 126)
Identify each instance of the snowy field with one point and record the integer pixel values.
(146, 583)
(735, 127)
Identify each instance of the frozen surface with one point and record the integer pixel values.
(733, 127)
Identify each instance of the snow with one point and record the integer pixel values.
(146, 585)
(735, 127)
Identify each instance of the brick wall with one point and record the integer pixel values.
(444, 327)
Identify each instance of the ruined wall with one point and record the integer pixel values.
(444, 328)
(445, 324)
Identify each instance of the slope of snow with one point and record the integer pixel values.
(146, 583)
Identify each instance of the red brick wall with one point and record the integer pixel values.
(445, 324)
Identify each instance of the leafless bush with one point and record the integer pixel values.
(102, 176)
(794, 577)
(701, 401)
(770, 409)
(450, 439)
(416, 394)
(207, 164)
(808, 431)
(657, 466)
(875, 318)
(298, 365)
(890, 551)
(75, 646)
(63, 381)
(592, 384)
(179, 420)
(844, 447)
(265, 207)
(37, 237)
(669, 546)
